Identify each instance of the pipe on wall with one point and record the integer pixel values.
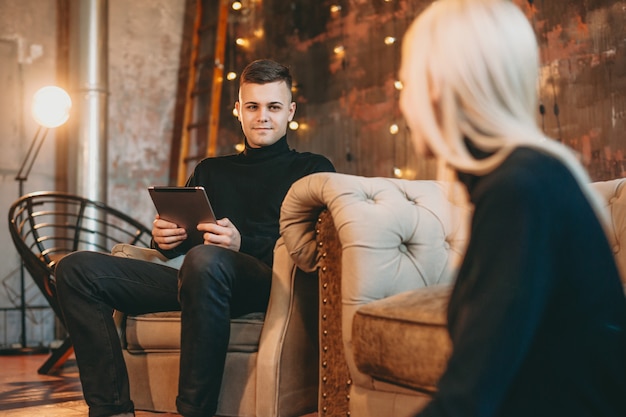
(87, 170)
(89, 78)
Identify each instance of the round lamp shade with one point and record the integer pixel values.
(51, 106)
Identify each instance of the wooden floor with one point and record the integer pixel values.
(25, 393)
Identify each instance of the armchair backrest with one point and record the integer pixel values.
(396, 235)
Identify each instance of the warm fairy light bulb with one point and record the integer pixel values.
(398, 85)
(242, 42)
(335, 8)
(235, 112)
(231, 76)
(397, 172)
(339, 49)
(390, 40)
(393, 129)
(240, 147)
(237, 5)
(51, 106)
(293, 125)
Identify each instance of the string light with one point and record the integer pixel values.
(235, 112)
(335, 8)
(389, 40)
(242, 42)
(293, 125)
(236, 5)
(231, 75)
(398, 85)
(339, 50)
(240, 147)
(393, 129)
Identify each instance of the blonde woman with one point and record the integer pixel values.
(537, 317)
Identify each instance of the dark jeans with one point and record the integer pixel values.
(216, 284)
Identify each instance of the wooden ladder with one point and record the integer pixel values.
(205, 78)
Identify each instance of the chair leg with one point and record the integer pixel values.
(57, 358)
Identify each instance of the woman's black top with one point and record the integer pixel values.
(537, 316)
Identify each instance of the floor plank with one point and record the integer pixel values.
(25, 393)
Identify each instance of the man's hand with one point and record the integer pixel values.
(224, 234)
(167, 234)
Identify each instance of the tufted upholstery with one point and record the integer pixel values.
(403, 223)
(395, 235)
(389, 248)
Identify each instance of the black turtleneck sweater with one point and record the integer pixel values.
(249, 189)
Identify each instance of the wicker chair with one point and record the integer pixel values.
(45, 226)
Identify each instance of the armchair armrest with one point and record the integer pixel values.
(287, 372)
(126, 250)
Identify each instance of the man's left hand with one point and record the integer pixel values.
(223, 233)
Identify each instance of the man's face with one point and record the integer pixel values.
(264, 111)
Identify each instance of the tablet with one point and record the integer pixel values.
(185, 206)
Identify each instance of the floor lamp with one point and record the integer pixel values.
(50, 109)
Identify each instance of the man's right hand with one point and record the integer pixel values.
(167, 234)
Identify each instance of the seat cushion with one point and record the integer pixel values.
(403, 339)
(160, 332)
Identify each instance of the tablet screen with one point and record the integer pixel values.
(185, 206)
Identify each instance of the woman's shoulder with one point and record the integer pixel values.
(527, 175)
(530, 167)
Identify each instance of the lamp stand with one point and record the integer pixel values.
(21, 178)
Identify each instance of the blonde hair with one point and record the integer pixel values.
(470, 70)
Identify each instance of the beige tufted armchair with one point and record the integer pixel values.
(375, 237)
(271, 364)
(386, 250)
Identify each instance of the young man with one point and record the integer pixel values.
(228, 276)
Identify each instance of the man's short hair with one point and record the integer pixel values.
(263, 71)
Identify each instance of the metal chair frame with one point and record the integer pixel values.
(45, 226)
